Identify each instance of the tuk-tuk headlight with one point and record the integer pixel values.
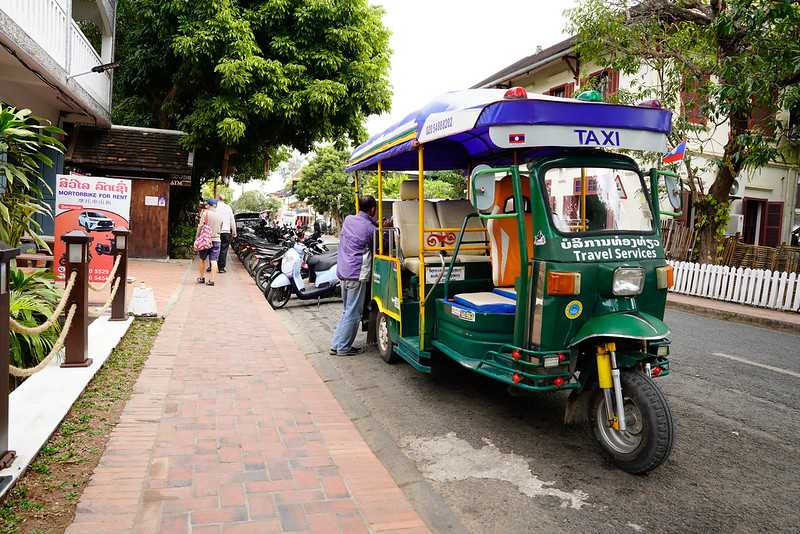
(627, 281)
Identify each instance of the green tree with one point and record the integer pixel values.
(252, 200)
(438, 184)
(736, 56)
(323, 184)
(207, 191)
(272, 204)
(256, 75)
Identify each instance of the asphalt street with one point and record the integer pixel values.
(473, 458)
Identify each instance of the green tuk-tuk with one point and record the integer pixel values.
(551, 274)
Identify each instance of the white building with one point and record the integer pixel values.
(766, 201)
(48, 65)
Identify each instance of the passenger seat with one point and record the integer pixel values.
(405, 214)
(451, 214)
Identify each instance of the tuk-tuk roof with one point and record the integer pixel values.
(463, 128)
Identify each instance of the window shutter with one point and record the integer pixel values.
(771, 233)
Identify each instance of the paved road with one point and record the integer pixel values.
(509, 464)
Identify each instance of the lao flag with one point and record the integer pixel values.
(516, 138)
(677, 153)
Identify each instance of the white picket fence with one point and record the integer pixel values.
(754, 287)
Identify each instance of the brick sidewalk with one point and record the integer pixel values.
(163, 277)
(235, 432)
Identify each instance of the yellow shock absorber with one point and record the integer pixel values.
(604, 367)
(606, 380)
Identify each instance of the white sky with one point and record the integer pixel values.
(446, 45)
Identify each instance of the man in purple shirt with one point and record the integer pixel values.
(354, 267)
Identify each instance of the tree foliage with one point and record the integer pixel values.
(736, 56)
(438, 184)
(252, 200)
(252, 74)
(323, 183)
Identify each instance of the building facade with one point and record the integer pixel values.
(765, 206)
(49, 64)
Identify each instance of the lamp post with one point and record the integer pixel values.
(98, 68)
(7, 253)
(120, 249)
(76, 345)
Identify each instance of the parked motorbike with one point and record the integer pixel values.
(63, 259)
(105, 248)
(265, 262)
(322, 281)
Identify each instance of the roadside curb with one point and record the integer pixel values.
(734, 316)
(436, 513)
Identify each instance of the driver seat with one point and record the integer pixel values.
(504, 233)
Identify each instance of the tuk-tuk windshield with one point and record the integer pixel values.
(594, 199)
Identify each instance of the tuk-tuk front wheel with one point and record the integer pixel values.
(650, 432)
(385, 344)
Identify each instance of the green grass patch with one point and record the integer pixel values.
(45, 498)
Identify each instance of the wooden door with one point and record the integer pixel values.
(149, 221)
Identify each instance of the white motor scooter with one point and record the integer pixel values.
(322, 280)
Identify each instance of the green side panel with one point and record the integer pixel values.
(472, 333)
(410, 317)
(631, 325)
(408, 349)
(476, 277)
(385, 284)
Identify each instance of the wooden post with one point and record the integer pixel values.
(120, 248)
(6, 255)
(77, 343)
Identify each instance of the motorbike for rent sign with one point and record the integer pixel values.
(95, 205)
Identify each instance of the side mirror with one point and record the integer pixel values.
(482, 180)
(674, 191)
(674, 187)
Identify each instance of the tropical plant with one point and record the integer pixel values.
(33, 300)
(21, 139)
(33, 296)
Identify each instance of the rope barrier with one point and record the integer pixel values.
(110, 276)
(102, 310)
(24, 373)
(31, 331)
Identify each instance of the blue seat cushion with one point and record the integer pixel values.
(508, 292)
(486, 302)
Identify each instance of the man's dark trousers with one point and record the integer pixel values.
(225, 242)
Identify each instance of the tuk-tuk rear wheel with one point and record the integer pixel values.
(650, 432)
(385, 344)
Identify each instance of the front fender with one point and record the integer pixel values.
(628, 324)
(280, 280)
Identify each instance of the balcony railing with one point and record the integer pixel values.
(48, 24)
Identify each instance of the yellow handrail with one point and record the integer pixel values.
(421, 197)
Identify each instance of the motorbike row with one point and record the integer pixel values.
(285, 262)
